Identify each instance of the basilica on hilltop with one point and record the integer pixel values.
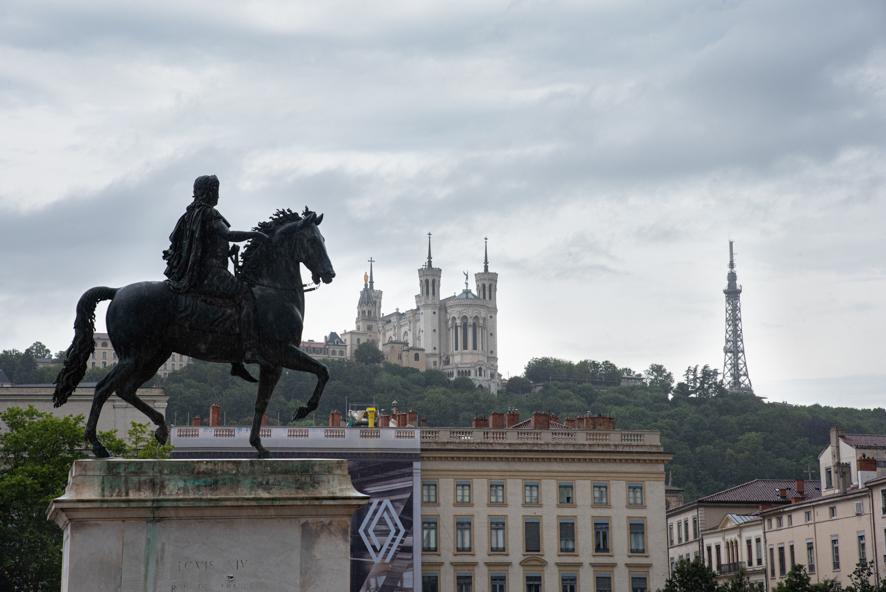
(456, 334)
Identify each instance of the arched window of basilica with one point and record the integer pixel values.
(484, 291)
(416, 357)
(433, 287)
(464, 334)
(427, 290)
(474, 335)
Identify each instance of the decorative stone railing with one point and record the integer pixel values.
(322, 437)
(476, 436)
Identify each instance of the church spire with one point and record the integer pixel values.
(485, 254)
(371, 281)
(429, 264)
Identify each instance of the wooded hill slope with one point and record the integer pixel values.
(719, 440)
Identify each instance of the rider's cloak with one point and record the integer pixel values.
(188, 242)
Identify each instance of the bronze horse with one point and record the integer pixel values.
(147, 322)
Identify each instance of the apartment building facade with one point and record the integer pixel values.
(702, 527)
(542, 510)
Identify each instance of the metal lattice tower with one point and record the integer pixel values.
(735, 366)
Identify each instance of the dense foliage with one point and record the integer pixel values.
(695, 576)
(35, 455)
(719, 439)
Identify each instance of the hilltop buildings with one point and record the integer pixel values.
(456, 334)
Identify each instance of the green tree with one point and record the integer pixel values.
(740, 582)
(9, 361)
(36, 454)
(658, 377)
(691, 576)
(861, 579)
(38, 350)
(519, 386)
(26, 373)
(141, 444)
(798, 581)
(368, 353)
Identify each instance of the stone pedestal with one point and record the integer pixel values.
(188, 525)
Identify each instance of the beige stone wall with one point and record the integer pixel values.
(516, 467)
(116, 414)
(829, 517)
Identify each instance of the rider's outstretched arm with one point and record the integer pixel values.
(236, 236)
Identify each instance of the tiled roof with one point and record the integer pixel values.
(764, 491)
(865, 440)
(742, 518)
(526, 424)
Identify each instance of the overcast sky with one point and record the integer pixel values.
(609, 150)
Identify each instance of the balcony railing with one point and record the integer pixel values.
(485, 436)
(729, 568)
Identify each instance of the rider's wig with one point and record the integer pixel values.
(203, 185)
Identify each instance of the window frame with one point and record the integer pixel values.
(639, 573)
(430, 572)
(560, 485)
(574, 521)
(436, 521)
(489, 526)
(608, 573)
(604, 484)
(493, 574)
(628, 487)
(835, 552)
(529, 483)
(455, 486)
(569, 572)
(462, 570)
(645, 552)
(436, 485)
(810, 555)
(504, 494)
(528, 572)
(594, 551)
(541, 539)
(455, 522)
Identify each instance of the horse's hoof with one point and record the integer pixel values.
(264, 453)
(162, 434)
(99, 450)
(300, 413)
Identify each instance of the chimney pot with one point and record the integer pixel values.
(799, 485)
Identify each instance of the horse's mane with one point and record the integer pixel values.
(253, 253)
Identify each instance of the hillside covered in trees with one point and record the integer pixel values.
(719, 439)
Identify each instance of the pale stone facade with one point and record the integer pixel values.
(116, 414)
(105, 356)
(458, 334)
(829, 536)
(542, 510)
(738, 541)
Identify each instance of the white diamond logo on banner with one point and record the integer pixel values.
(377, 512)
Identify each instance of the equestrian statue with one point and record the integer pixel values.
(204, 311)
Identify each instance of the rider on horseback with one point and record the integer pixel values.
(198, 262)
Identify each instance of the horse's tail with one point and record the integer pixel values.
(77, 356)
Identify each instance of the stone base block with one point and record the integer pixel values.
(188, 525)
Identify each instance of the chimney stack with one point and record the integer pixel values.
(512, 418)
(540, 421)
(569, 422)
(195, 421)
(424, 422)
(799, 485)
(335, 419)
(214, 415)
(412, 418)
(497, 420)
(479, 422)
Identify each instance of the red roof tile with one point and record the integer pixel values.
(764, 491)
(865, 440)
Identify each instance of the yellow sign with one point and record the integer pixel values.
(371, 413)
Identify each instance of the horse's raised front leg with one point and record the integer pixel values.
(106, 386)
(267, 380)
(302, 362)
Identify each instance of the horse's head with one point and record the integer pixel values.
(303, 240)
